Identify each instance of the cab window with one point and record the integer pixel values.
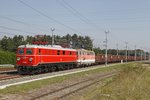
(21, 51)
(29, 51)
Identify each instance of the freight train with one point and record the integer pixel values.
(33, 59)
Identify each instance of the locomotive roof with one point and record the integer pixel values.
(85, 50)
(57, 47)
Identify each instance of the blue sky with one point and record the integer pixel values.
(126, 20)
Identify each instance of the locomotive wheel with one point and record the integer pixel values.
(70, 66)
(66, 67)
(19, 70)
(53, 68)
(60, 67)
(22, 70)
(39, 70)
(46, 69)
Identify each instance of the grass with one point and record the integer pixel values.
(38, 84)
(131, 84)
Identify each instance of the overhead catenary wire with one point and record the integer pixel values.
(14, 20)
(35, 26)
(72, 12)
(21, 22)
(86, 19)
(6, 33)
(78, 14)
(121, 41)
(48, 17)
(81, 16)
(18, 30)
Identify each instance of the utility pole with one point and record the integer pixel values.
(117, 49)
(92, 45)
(145, 55)
(126, 51)
(52, 29)
(149, 55)
(135, 54)
(141, 54)
(106, 45)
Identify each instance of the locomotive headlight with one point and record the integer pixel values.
(30, 59)
(18, 58)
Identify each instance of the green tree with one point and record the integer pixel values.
(75, 41)
(88, 43)
(97, 50)
(10, 44)
(18, 40)
(68, 38)
(4, 43)
(29, 40)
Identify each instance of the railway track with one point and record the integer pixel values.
(6, 69)
(6, 77)
(72, 88)
(11, 74)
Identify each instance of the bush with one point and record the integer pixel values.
(7, 57)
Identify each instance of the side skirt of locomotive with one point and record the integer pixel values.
(42, 68)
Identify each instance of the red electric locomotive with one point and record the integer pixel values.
(39, 58)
